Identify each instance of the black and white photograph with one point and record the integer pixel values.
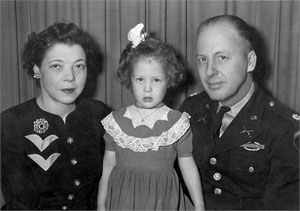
(150, 105)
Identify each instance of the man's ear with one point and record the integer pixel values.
(251, 61)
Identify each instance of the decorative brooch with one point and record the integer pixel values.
(40, 125)
(136, 35)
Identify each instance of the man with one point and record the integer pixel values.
(250, 160)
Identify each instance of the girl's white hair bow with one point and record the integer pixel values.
(136, 35)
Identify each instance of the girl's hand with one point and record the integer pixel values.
(199, 207)
(109, 162)
(191, 178)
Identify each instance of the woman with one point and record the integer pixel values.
(52, 146)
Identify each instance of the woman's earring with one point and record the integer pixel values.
(36, 75)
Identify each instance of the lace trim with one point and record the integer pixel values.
(150, 143)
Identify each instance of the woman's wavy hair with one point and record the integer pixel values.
(66, 33)
(151, 48)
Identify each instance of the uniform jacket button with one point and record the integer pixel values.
(251, 169)
(217, 176)
(70, 197)
(76, 182)
(217, 191)
(74, 162)
(64, 207)
(271, 103)
(70, 140)
(213, 161)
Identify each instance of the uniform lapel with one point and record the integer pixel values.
(203, 127)
(245, 127)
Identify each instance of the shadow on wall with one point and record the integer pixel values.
(263, 66)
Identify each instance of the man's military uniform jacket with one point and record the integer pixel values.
(49, 164)
(255, 164)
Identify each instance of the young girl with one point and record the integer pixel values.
(143, 140)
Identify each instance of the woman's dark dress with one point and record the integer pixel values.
(49, 164)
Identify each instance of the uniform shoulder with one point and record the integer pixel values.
(286, 117)
(282, 111)
(197, 96)
(194, 102)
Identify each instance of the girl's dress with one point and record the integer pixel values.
(144, 177)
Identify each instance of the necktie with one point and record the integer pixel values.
(218, 118)
(227, 118)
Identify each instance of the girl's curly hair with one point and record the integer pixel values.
(154, 49)
(67, 33)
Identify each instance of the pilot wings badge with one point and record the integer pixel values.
(255, 146)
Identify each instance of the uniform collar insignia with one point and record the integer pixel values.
(202, 116)
(193, 94)
(255, 146)
(254, 117)
(202, 119)
(207, 106)
(247, 131)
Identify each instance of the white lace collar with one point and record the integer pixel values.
(150, 143)
(132, 113)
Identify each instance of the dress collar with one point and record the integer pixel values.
(134, 114)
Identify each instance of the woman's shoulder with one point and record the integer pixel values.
(18, 116)
(18, 110)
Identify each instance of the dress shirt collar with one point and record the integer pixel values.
(235, 109)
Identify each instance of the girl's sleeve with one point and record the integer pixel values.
(109, 142)
(184, 145)
(108, 124)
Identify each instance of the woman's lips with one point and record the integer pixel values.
(68, 91)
